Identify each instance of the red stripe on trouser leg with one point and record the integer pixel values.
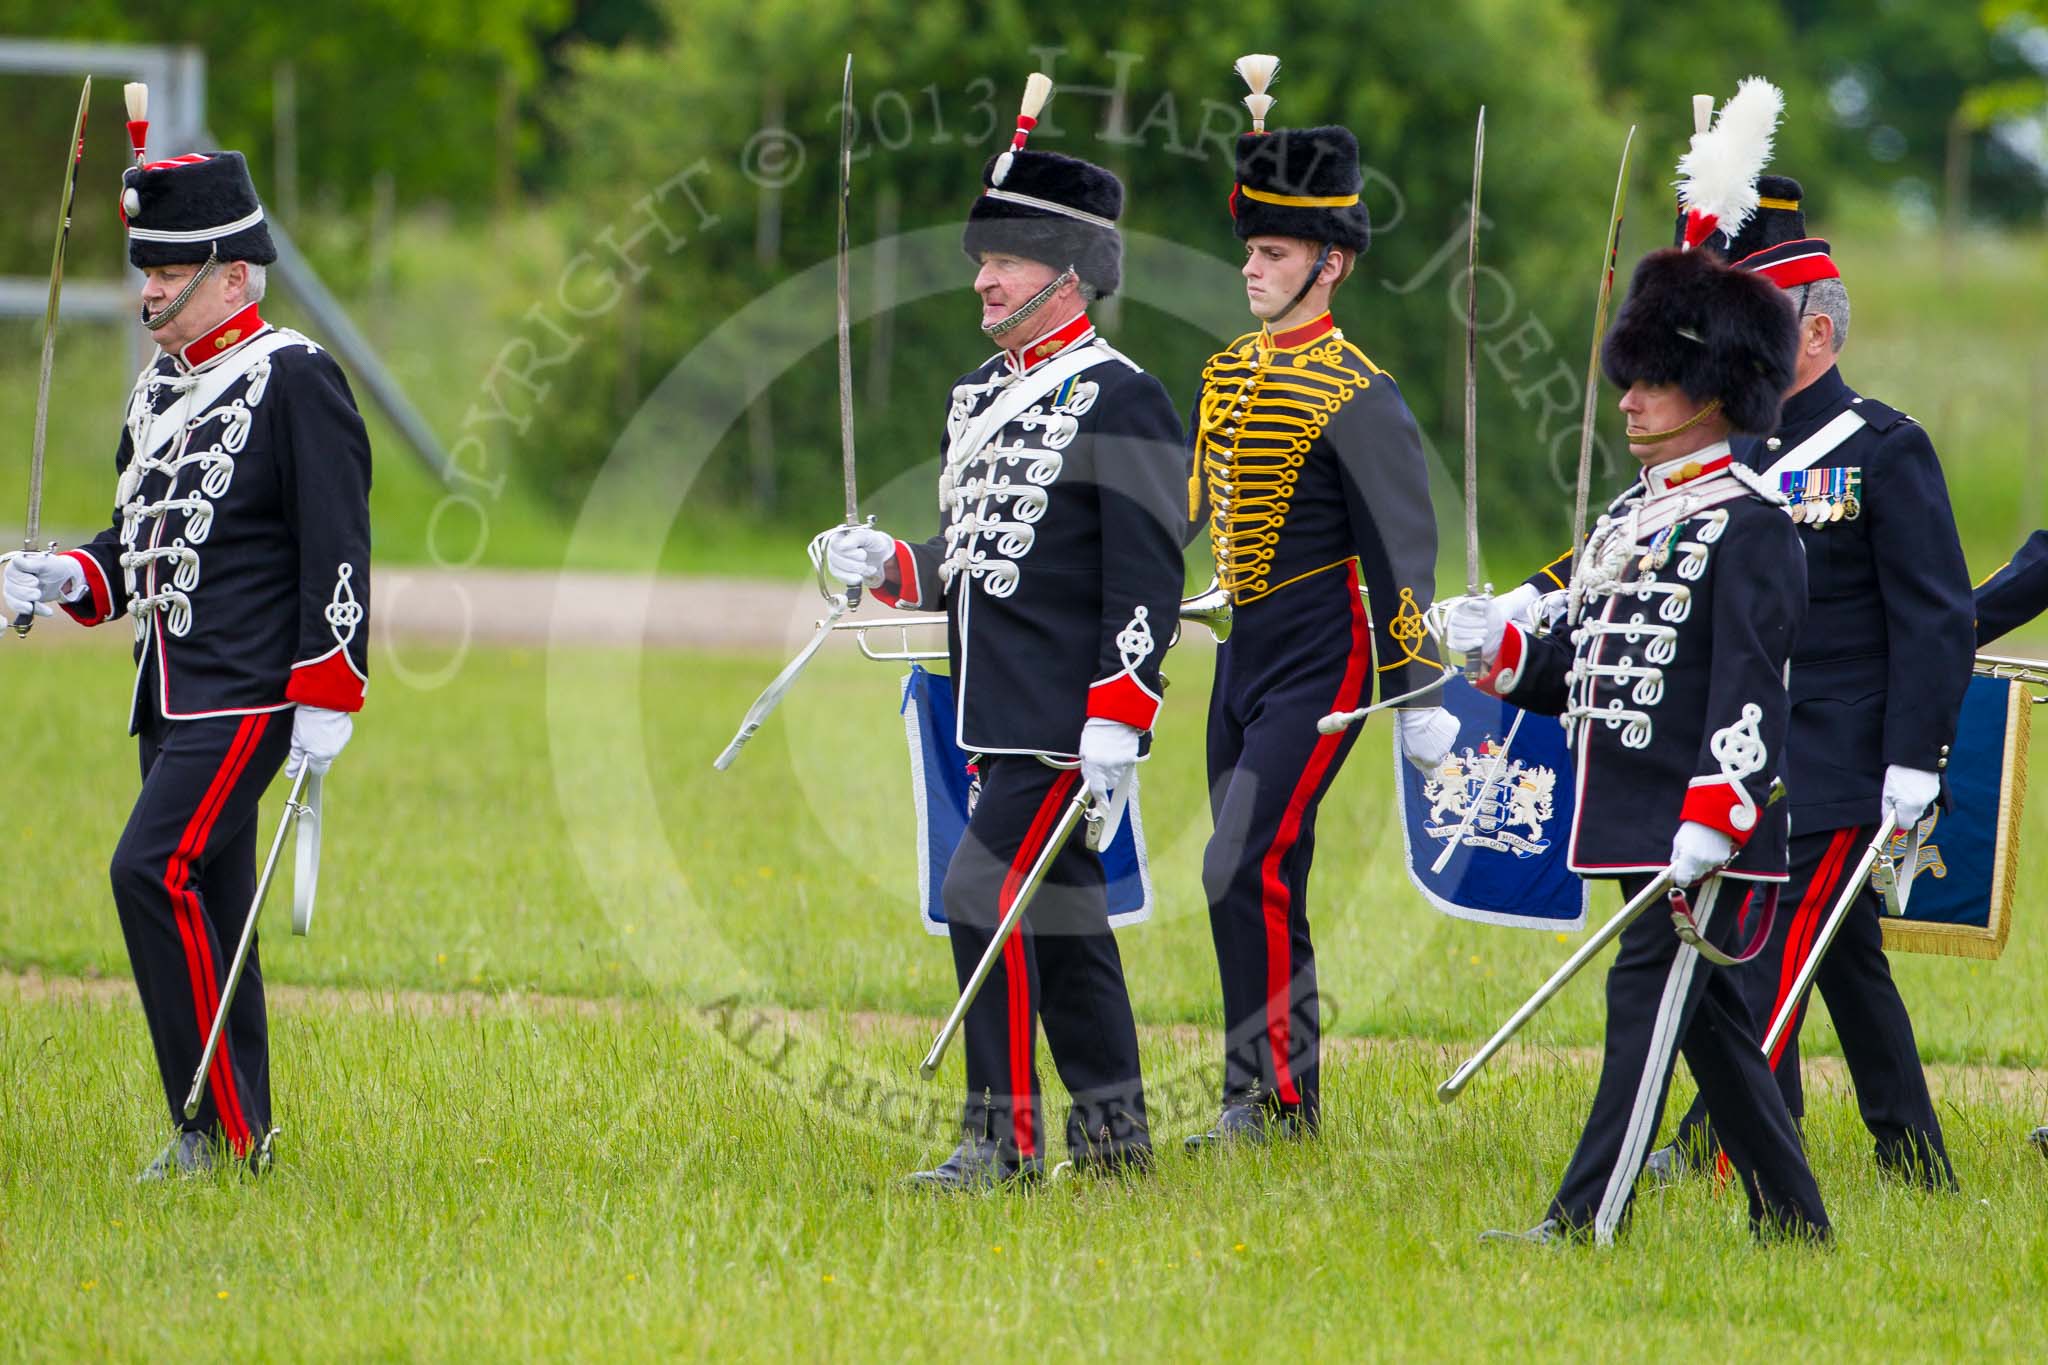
(192, 934)
(1276, 902)
(192, 924)
(1023, 1121)
(1820, 894)
(192, 928)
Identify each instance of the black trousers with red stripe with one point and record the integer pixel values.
(184, 873)
(1291, 659)
(1855, 979)
(1061, 969)
(1663, 998)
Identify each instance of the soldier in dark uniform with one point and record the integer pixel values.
(1877, 686)
(1058, 566)
(240, 546)
(1668, 671)
(2014, 594)
(1309, 474)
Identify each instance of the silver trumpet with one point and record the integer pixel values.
(1210, 607)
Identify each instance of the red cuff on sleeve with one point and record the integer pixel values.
(1719, 803)
(908, 589)
(330, 683)
(1123, 698)
(101, 596)
(1500, 680)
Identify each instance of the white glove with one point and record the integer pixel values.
(858, 555)
(1109, 756)
(1908, 792)
(1519, 605)
(1427, 735)
(1698, 850)
(1109, 751)
(34, 579)
(1475, 625)
(318, 737)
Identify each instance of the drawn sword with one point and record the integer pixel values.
(846, 312)
(1472, 585)
(74, 155)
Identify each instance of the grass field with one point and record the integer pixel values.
(595, 1052)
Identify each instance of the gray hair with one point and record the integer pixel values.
(1831, 299)
(259, 280)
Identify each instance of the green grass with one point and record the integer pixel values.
(465, 826)
(607, 1078)
(505, 1181)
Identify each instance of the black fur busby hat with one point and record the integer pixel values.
(1051, 208)
(182, 211)
(1716, 332)
(1301, 182)
(1295, 182)
(1057, 209)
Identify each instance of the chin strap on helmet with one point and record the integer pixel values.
(1003, 326)
(177, 305)
(1315, 272)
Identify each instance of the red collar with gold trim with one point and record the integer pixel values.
(242, 327)
(1051, 344)
(1313, 330)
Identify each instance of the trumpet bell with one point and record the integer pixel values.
(1210, 607)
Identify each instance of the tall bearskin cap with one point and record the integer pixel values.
(1301, 182)
(1715, 331)
(1051, 208)
(181, 211)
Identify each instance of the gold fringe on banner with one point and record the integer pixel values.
(1986, 941)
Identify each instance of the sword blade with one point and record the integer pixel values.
(846, 312)
(1472, 364)
(1607, 256)
(74, 154)
(846, 295)
(1832, 926)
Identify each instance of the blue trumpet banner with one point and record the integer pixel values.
(1513, 831)
(1963, 879)
(939, 785)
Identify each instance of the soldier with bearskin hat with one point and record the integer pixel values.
(240, 546)
(1309, 475)
(1058, 566)
(1669, 671)
(1877, 686)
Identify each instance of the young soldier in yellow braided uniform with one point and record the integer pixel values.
(1309, 473)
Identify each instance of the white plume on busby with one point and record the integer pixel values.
(1257, 69)
(1718, 173)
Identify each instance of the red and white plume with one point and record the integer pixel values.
(1257, 69)
(137, 96)
(1037, 89)
(1717, 177)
